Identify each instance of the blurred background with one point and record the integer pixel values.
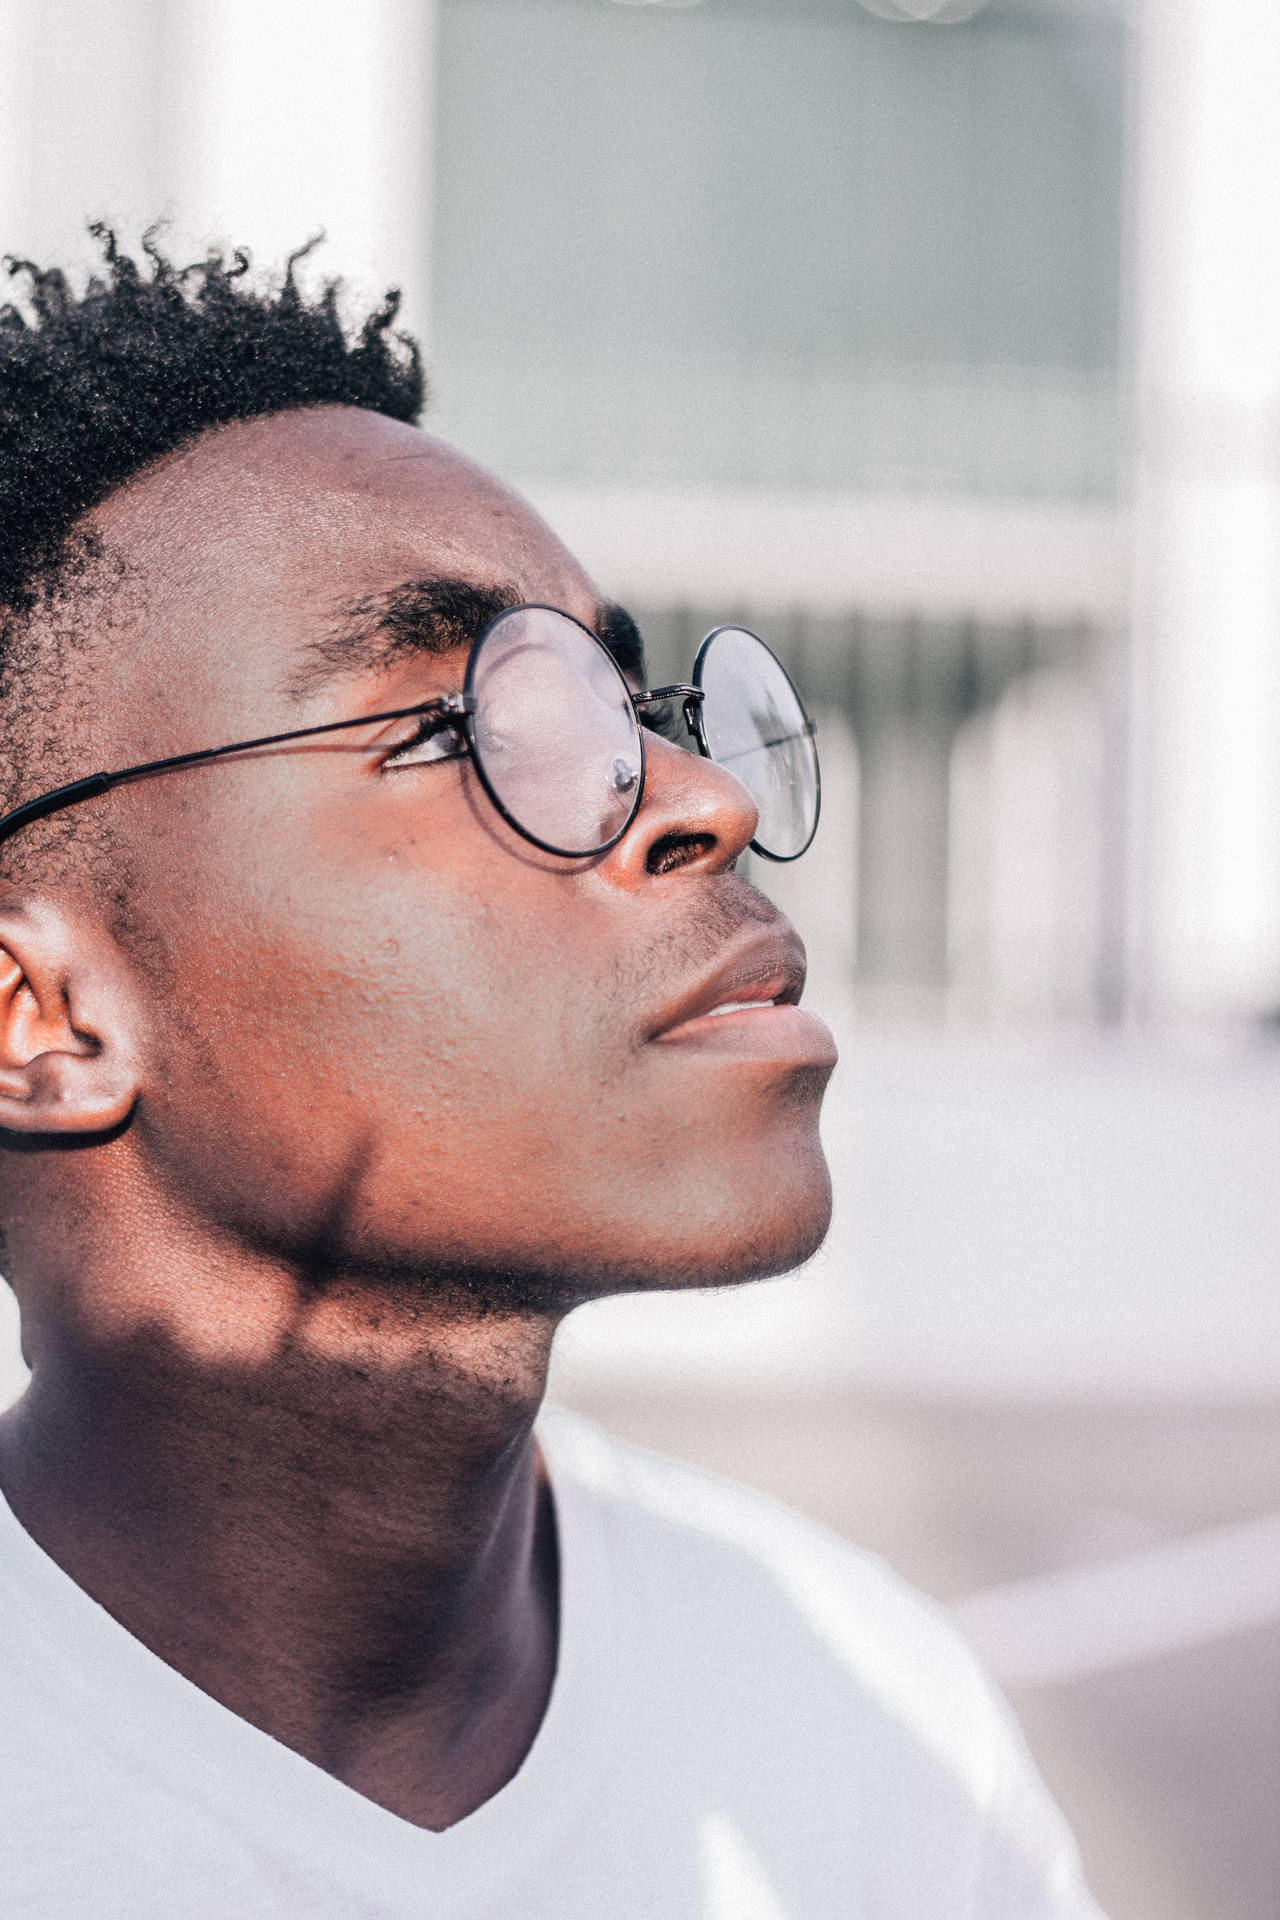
(940, 342)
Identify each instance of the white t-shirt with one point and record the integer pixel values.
(750, 1721)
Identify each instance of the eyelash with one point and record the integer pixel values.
(430, 726)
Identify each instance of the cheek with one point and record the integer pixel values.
(425, 1064)
(416, 1032)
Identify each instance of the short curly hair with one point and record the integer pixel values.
(95, 386)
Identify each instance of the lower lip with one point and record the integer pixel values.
(792, 1034)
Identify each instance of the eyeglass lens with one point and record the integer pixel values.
(555, 734)
(756, 726)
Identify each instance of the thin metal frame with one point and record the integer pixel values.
(811, 733)
(455, 706)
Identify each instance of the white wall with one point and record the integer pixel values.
(1207, 299)
(780, 549)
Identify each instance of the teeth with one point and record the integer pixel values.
(739, 1006)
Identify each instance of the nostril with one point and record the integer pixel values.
(675, 850)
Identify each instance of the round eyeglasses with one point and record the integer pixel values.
(558, 741)
(557, 736)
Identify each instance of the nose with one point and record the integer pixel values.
(694, 815)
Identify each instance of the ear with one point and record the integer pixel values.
(66, 1062)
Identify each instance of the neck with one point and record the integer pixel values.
(345, 1536)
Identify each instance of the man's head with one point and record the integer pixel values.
(314, 1010)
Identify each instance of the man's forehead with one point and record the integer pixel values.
(284, 493)
(328, 542)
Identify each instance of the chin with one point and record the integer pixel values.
(772, 1249)
(762, 1236)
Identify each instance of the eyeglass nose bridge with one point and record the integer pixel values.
(690, 698)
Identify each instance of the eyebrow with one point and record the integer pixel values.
(434, 614)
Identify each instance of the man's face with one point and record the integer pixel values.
(382, 1032)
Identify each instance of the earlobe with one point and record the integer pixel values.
(65, 1065)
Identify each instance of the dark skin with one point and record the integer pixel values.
(305, 1163)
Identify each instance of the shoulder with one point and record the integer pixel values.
(750, 1552)
(759, 1631)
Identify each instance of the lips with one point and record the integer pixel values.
(764, 970)
(747, 1006)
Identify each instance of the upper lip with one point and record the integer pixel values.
(764, 967)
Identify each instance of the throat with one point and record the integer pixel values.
(359, 1559)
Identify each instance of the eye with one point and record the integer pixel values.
(435, 737)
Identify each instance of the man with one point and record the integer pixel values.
(334, 1070)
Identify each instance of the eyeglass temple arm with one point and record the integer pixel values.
(97, 783)
(54, 801)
